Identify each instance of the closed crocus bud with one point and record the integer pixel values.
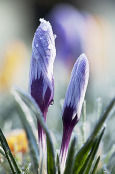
(41, 84)
(73, 101)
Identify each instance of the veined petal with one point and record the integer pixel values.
(76, 89)
(73, 102)
(41, 85)
(41, 82)
(43, 47)
(70, 40)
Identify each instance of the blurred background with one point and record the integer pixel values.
(81, 27)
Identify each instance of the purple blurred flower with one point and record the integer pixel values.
(73, 101)
(68, 24)
(41, 81)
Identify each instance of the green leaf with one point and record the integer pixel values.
(25, 115)
(27, 169)
(58, 164)
(109, 155)
(13, 165)
(70, 157)
(113, 170)
(95, 166)
(99, 107)
(83, 119)
(32, 105)
(89, 161)
(41, 167)
(81, 156)
(50, 156)
(1, 151)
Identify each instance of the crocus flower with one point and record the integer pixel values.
(41, 84)
(68, 24)
(73, 101)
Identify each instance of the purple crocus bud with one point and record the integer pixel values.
(41, 84)
(73, 101)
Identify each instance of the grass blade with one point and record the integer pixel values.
(87, 165)
(13, 165)
(58, 164)
(81, 156)
(70, 157)
(24, 113)
(50, 157)
(31, 104)
(83, 119)
(1, 151)
(95, 166)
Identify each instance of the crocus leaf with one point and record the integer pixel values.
(41, 167)
(109, 155)
(70, 157)
(95, 165)
(1, 151)
(88, 163)
(27, 169)
(113, 170)
(58, 164)
(81, 156)
(24, 113)
(30, 102)
(83, 119)
(13, 165)
(50, 157)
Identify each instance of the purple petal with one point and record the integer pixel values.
(41, 82)
(41, 85)
(70, 40)
(77, 87)
(37, 90)
(73, 101)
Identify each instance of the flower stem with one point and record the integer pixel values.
(13, 165)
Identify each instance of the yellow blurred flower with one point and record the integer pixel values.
(12, 62)
(17, 141)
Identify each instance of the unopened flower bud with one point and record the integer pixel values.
(73, 100)
(41, 81)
